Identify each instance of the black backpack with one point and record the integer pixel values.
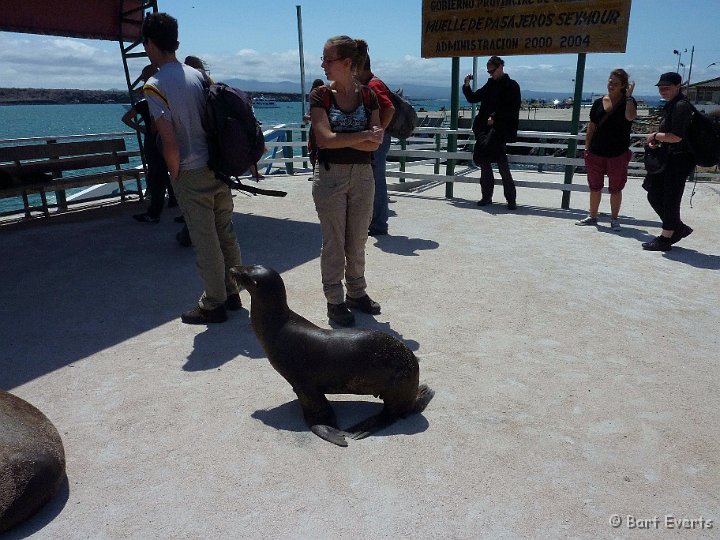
(235, 139)
(703, 137)
(405, 119)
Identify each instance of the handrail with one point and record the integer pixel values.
(67, 137)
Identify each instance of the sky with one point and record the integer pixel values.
(242, 39)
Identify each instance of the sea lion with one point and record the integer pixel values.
(316, 361)
(32, 460)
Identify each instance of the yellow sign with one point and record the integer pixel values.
(511, 27)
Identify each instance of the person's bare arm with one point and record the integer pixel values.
(378, 134)
(366, 140)
(170, 148)
(592, 126)
(129, 119)
(630, 104)
(386, 116)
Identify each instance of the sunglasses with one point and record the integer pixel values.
(329, 60)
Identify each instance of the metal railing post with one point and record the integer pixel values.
(304, 138)
(438, 148)
(288, 152)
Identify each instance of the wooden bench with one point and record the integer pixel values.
(38, 168)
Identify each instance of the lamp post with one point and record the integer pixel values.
(675, 51)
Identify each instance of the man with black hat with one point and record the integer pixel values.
(665, 188)
(495, 125)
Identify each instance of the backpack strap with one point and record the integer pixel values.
(366, 99)
(326, 96)
(234, 183)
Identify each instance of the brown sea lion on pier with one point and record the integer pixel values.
(316, 361)
(32, 460)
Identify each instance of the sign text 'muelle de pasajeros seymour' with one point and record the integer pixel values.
(512, 27)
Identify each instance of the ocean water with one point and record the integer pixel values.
(18, 121)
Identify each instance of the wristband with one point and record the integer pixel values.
(654, 137)
(630, 98)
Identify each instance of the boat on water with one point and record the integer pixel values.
(264, 103)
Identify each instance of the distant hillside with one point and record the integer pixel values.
(281, 91)
(46, 96)
(414, 91)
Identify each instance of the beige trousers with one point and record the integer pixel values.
(207, 205)
(343, 198)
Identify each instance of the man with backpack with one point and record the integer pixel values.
(495, 125)
(665, 187)
(379, 221)
(176, 95)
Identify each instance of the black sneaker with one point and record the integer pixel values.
(146, 218)
(233, 302)
(364, 304)
(512, 205)
(658, 244)
(199, 315)
(183, 237)
(340, 314)
(484, 202)
(682, 232)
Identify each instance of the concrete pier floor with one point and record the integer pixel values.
(576, 375)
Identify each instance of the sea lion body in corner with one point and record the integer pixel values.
(317, 361)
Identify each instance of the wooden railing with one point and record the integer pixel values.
(536, 150)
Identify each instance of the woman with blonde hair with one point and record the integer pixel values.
(346, 123)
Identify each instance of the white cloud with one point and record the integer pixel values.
(51, 62)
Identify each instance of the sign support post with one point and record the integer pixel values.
(454, 110)
(574, 125)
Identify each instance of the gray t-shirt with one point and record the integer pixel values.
(176, 93)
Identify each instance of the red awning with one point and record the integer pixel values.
(90, 19)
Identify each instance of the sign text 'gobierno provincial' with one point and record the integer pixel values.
(512, 27)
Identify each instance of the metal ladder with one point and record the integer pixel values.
(132, 12)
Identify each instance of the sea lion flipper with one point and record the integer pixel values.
(330, 434)
(370, 426)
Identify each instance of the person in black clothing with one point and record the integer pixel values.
(498, 117)
(665, 189)
(157, 178)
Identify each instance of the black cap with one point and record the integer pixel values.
(496, 61)
(669, 78)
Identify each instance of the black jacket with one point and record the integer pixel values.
(500, 99)
(676, 118)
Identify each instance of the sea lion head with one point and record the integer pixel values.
(265, 285)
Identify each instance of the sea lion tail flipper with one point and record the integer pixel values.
(371, 425)
(424, 395)
(330, 434)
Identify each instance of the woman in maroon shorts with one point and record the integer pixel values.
(607, 143)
